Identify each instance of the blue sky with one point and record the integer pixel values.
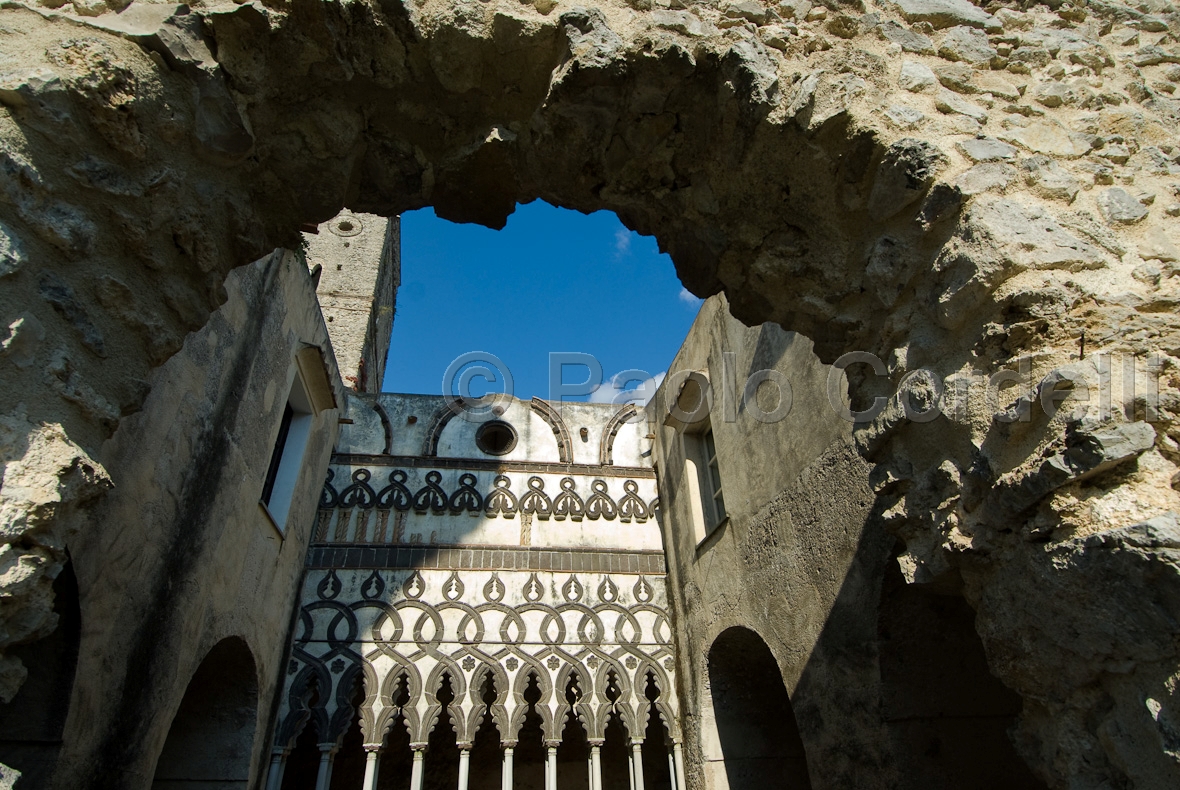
(553, 280)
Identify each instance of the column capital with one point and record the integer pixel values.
(464, 746)
(374, 747)
(636, 743)
(331, 748)
(596, 742)
(508, 745)
(552, 744)
(418, 748)
(280, 751)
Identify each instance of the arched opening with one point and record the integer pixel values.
(211, 738)
(397, 758)
(947, 716)
(348, 768)
(530, 754)
(486, 757)
(616, 750)
(756, 725)
(442, 753)
(304, 759)
(31, 723)
(657, 770)
(573, 755)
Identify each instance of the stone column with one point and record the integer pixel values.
(419, 764)
(678, 755)
(506, 776)
(672, 770)
(637, 762)
(551, 766)
(464, 764)
(372, 765)
(278, 764)
(596, 765)
(323, 779)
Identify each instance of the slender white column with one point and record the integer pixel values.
(672, 770)
(551, 769)
(464, 766)
(596, 765)
(416, 771)
(678, 754)
(323, 779)
(506, 777)
(372, 765)
(637, 761)
(631, 769)
(278, 764)
(589, 772)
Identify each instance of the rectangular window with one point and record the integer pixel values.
(276, 456)
(716, 504)
(286, 457)
(703, 477)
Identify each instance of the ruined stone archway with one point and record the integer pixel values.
(147, 153)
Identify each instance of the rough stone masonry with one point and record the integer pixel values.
(958, 189)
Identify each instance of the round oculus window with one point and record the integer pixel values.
(495, 437)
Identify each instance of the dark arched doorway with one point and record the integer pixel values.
(756, 727)
(31, 723)
(212, 735)
(947, 716)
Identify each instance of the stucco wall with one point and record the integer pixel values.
(180, 554)
(798, 561)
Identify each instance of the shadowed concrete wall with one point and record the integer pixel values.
(183, 554)
(797, 561)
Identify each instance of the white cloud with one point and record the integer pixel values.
(689, 299)
(615, 390)
(622, 241)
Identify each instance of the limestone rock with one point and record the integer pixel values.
(986, 177)
(986, 149)
(967, 44)
(905, 117)
(1117, 206)
(957, 77)
(947, 13)
(948, 102)
(684, 22)
(907, 39)
(1049, 179)
(45, 477)
(906, 171)
(916, 77)
(1047, 137)
(12, 251)
(1157, 246)
(1000, 238)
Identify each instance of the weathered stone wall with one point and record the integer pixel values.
(798, 559)
(180, 554)
(778, 153)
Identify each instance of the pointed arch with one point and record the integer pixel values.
(438, 421)
(565, 444)
(606, 446)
